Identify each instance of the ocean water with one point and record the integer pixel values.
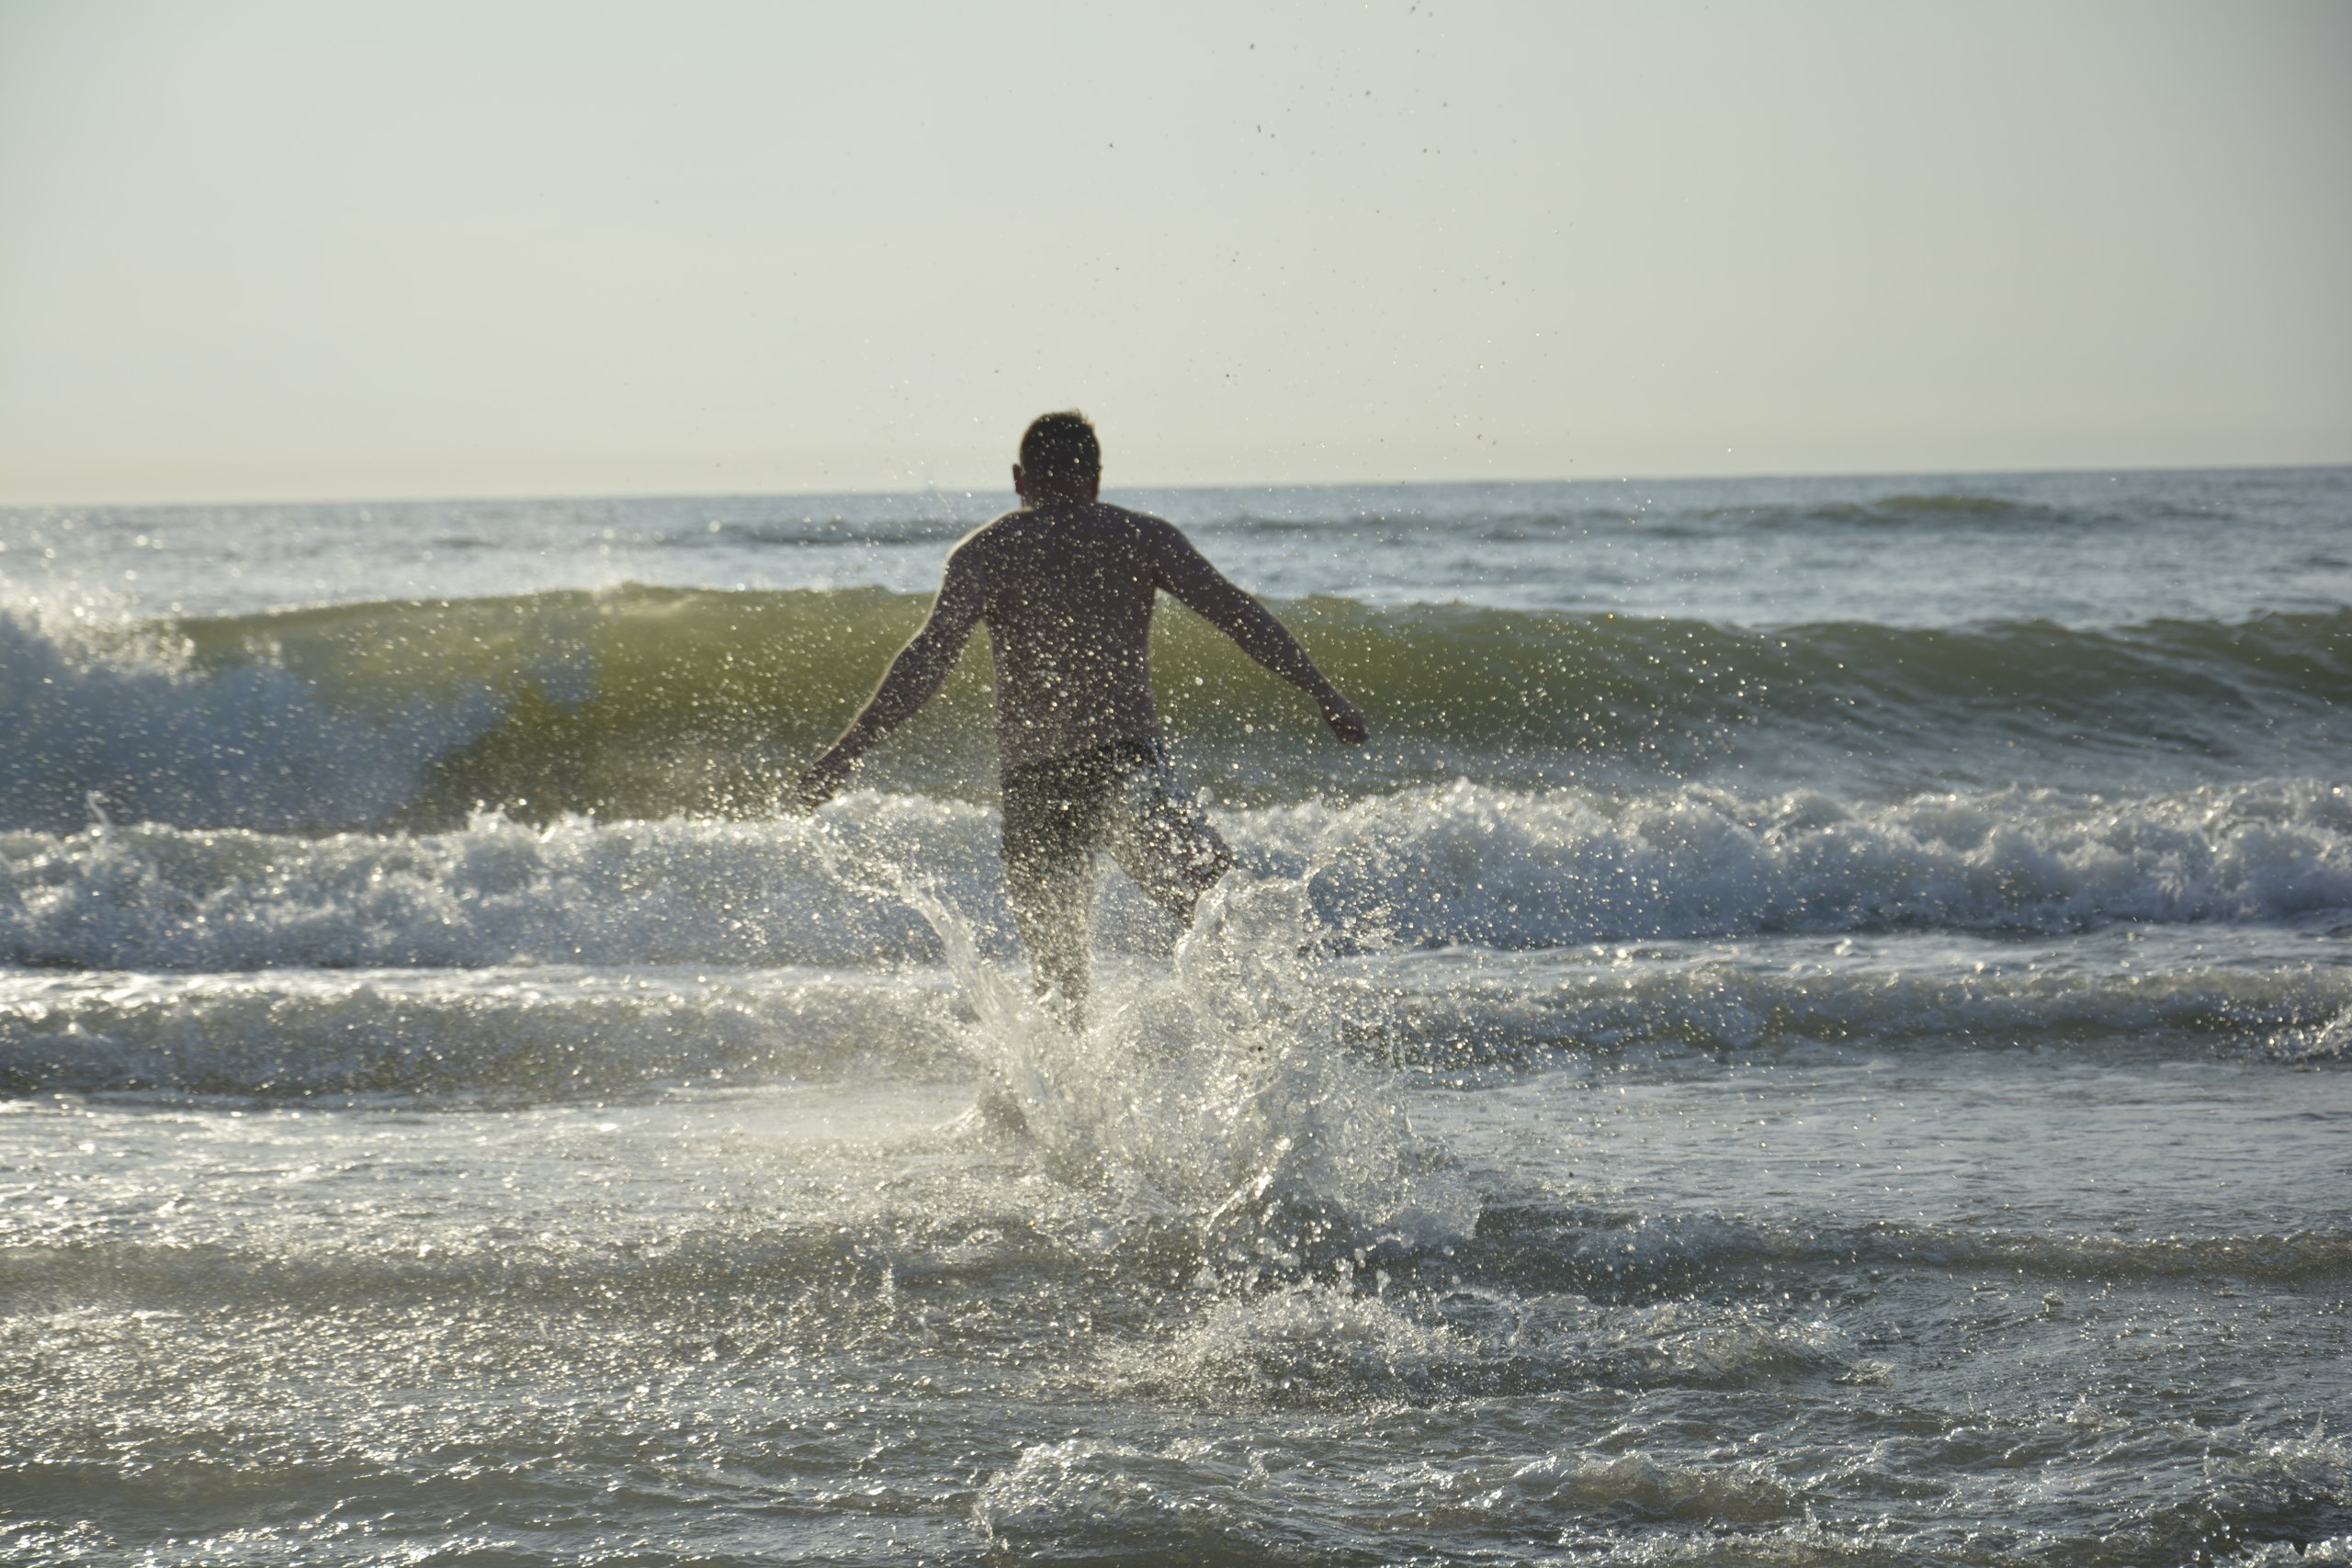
(1815, 1034)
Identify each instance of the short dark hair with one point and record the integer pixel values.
(1059, 451)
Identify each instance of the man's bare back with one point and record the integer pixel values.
(1066, 586)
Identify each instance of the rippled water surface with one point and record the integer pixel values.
(1815, 1035)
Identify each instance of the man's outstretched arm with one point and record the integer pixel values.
(1200, 587)
(914, 675)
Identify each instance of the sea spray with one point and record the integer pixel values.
(1217, 1091)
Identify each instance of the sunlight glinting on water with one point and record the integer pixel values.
(1814, 1033)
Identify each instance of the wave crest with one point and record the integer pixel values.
(645, 702)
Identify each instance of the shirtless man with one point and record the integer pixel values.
(1066, 585)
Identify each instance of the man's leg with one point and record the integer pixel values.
(1053, 913)
(1052, 823)
(1165, 846)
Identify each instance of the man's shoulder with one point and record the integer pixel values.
(1028, 522)
(1142, 526)
(1129, 515)
(976, 544)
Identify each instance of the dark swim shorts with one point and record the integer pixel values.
(1118, 796)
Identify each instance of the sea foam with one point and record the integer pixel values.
(125, 718)
(1464, 865)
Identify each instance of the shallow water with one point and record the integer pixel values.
(1809, 1300)
(1897, 1114)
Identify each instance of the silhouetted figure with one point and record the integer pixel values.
(1066, 585)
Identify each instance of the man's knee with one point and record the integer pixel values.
(1178, 883)
(1196, 861)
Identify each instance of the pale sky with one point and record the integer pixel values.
(259, 251)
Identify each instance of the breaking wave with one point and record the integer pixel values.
(1422, 868)
(643, 702)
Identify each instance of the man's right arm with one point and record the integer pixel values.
(914, 675)
(1186, 573)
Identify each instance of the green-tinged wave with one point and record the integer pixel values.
(650, 702)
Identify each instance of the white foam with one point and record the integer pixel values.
(1464, 864)
(1467, 864)
(494, 892)
(90, 712)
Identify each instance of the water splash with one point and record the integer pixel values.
(1217, 1092)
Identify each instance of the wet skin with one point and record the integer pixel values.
(1066, 585)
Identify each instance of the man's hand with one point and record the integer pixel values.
(1346, 720)
(824, 778)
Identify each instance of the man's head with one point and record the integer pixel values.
(1059, 457)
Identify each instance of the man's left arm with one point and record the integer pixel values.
(1208, 593)
(913, 676)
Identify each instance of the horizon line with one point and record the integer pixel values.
(934, 488)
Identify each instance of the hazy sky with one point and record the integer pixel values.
(316, 250)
